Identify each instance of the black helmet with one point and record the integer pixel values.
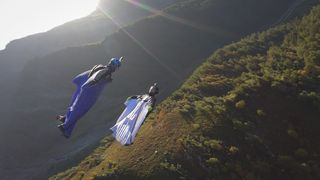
(154, 89)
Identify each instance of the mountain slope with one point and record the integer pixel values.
(163, 48)
(249, 112)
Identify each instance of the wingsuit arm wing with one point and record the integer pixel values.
(130, 98)
(81, 78)
(130, 105)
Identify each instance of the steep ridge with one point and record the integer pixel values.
(165, 48)
(249, 112)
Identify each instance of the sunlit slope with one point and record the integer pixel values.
(249, 112)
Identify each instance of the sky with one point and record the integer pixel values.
(20, 18)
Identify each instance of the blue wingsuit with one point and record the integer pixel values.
(89, 87)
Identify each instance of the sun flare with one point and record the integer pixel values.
(21, 18)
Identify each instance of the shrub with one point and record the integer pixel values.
(233, 150)
(241, 104)
(292, 133)
(195, 126)
(260, 112)
(213, 161)
(286, 161)
(301, 153)
(214, 144)
(238, 125)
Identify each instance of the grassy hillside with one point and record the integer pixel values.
(251, 111)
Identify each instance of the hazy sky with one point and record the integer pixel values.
(19, 18)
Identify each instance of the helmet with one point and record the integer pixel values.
(115, 62)
(154, 89)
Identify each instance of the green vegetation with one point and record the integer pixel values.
(91, 161)
(241, 104)
(251, 111)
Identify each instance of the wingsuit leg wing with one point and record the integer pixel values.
(79, 81)
(84, 99)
